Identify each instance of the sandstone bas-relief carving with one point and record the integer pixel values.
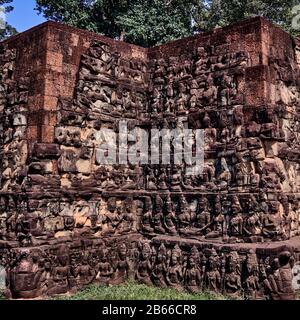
(67, 220)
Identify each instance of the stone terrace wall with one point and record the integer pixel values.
(66, 220)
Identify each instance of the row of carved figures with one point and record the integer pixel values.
(268, 220)
(229, 219)
(37, 273)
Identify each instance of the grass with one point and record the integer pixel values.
(134, 291)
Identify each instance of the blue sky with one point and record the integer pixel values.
(24, 16)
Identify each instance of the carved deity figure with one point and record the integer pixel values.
(148, 216)
(252, 222)
(232, 280)
(144, 265)
(127, 217)
(105, 269)
(216, 229)
(174, 276)
(272, 222)
(192, 276)
(61, 273)
(112, 217)
(158, 215)
(236, 220)
(160, 267)
(212, 276)
(121, 266)
(170, 217)
(203, 219)
(251, 282)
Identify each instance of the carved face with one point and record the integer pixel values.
(160, 257)
(192, 262)
(63, 259)
(202, 205)
(123, 251)
(112, 204)
(174, 259)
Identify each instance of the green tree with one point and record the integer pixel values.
(143, 22)
(220, 13)
(6, 30)
(151, 22)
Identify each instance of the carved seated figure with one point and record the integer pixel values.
(113, 180)
(201, 62)
(151, 181)
(188, 183)
(176, 180)
(252, 222)
(242, 174)
(61, 273)
(160, 71)
(147, 217)
(157, 102)
(203, 219)
(170, 218)
(162, 185)
(236, 220)
(182, 100)
(158, 215)
(272, 222)
(85, 274)
(194, 92)
(127, 217)
(112, 218)
(216, 228)
(211, 92)
(272, 176)
(185, 218)
(129, 104)
(23, 231)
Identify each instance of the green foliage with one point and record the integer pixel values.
(6, 30)
(221, 13)
(149, 23)
(133, 291)
(152, 22)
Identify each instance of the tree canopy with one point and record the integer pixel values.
(6, 30)
(151, 22)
